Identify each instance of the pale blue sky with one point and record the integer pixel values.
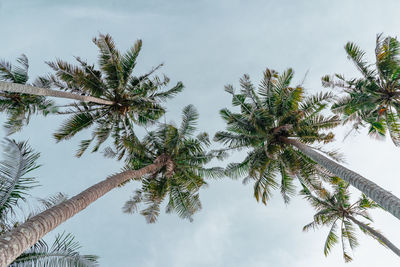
(205, 44)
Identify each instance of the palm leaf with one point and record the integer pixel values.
(15, 74)
(128, 60)
(19, 159)
(357, 56)
(63, 252)
(189, 118)
(109, 60)
(331, 239)
(76, 123)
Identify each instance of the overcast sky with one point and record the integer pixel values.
(206, 45)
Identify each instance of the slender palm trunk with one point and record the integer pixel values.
(32, 90)
(15, 242)
(384, 198)
(376, 234)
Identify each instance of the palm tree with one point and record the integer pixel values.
(183, 174)
(169, 162)
(111, 98)
(136, 99)
(335, 209)
(14, 186)
(374, 98)
(19, 107)
(278, 123)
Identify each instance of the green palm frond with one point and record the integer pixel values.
(213, 172)
(151, 212)
(63, 252)
(331, 239)
(237, 170)
(264, 184)
(53, 200)
(46, 203)
(128, 60)
(75, 124)
(283, 80)
(189, 118)
(357, 56)
(131, 206)
(19, 160)
(387, 56)
(109, 60)
(348, 232)
(316, 103)
(17, 73)
(365, 203)
(287, 186)
(312, 225)
(184, 203)
(162, 96)
(393, 124)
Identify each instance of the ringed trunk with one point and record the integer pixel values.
(32, 90)
(21, 238)
(376, 234)
(384, 198)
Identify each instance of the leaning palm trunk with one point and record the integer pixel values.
(384, 198)
(15, 242)
(32, 90)
(376, 234)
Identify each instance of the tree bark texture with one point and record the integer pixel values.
(32, 90)
(377, 235)
(384, 198)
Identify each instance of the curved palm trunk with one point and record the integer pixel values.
(381, 196)
(15, 242)
(376, 234)
(32, 90)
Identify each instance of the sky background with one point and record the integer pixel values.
(206, 45)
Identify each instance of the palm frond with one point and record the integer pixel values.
(128, 60)
(63, 252)
(53, 200)
(183, 203)
(109, 60)
(15, 74)
(357, 56)
(392, 122)
(189, 118)
(76, 123)
(162, 96)
(19, 160)
(331, 239)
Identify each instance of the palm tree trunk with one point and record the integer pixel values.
(32, 90)
(15, 242)
(376, 234)
(381, 196)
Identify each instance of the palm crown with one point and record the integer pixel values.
(183, 174)
(20, 107)
(373, 99)
(335, 209)
(266, 119)
(136, 99)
